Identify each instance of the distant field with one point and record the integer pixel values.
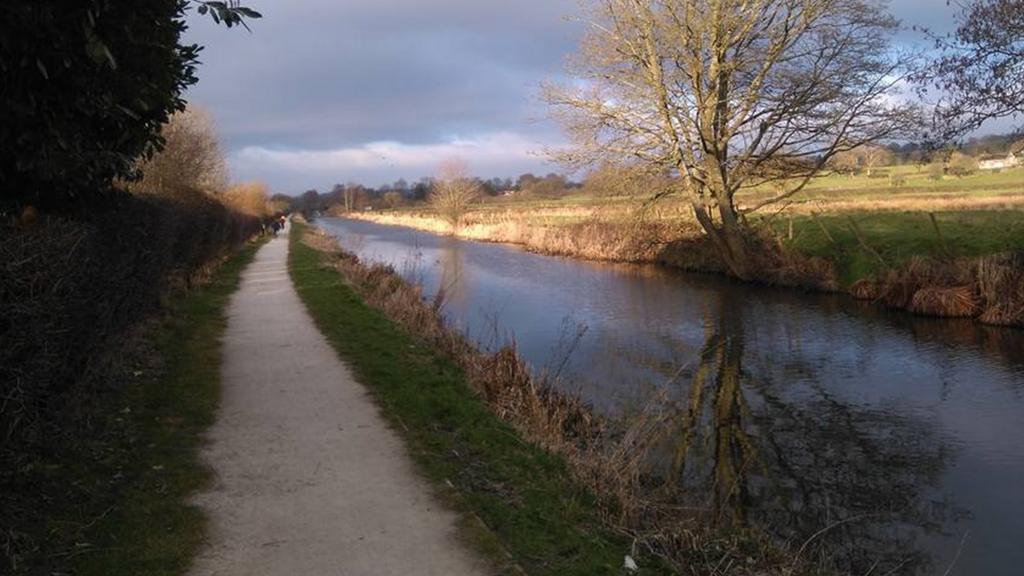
(976, 215)
(829, 193)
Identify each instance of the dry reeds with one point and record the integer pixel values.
(955, 302)
(901, 284)
(865, 289)
(1000, 280)
(790, 268)
(992, 288)
(576, 231)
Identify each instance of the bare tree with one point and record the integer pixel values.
(729, 95)
(190, 159)
(981, 71)
(392, 198)
(874, 157)
(251, 198)
(453, 192)
(350, 194)
(845, 162)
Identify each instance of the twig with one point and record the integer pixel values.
(957, 556)
(814, 215)
(942, 239)
(863, 243)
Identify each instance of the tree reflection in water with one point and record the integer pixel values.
(797, 460)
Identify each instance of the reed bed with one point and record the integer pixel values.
(865, 289)
(610, 457)
(953, 302)
(1000, 281)
(990, 288)
(646, 236)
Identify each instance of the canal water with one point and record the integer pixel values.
(897, 440)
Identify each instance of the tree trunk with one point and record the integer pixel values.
(727, 238)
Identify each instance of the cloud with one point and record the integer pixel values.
(327, 82)
(327, 73)
(493, 154)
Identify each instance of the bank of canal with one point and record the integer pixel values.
(809, 409)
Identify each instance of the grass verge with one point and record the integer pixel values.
(112, 497)
(889, 239)
(525, 496)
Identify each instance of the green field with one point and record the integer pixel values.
(889, 239)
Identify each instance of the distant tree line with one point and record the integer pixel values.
(352, 196)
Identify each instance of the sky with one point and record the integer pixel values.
(329, 91)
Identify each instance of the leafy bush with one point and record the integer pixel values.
(87, 86)
(70, 287)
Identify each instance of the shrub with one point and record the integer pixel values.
(191, 158)
(252, 198)
(392, 199)
(961, 165)
(70, 287)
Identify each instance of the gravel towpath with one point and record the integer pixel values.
(310, 480)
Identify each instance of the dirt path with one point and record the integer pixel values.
(310, 479)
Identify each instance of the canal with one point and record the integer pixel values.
(899, 440)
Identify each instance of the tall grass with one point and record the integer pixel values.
(888, 257)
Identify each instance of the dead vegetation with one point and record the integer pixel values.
(952, 302)
(678, 243)
(1000, 282)
(989, 288)
(611, 457)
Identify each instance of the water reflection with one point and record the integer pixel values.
(887, 436)
(862, 484)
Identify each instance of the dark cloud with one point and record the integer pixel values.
(318, 73)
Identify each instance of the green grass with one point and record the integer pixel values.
(147, 525)
(917, 177)
(898, 236)
(524, 495)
